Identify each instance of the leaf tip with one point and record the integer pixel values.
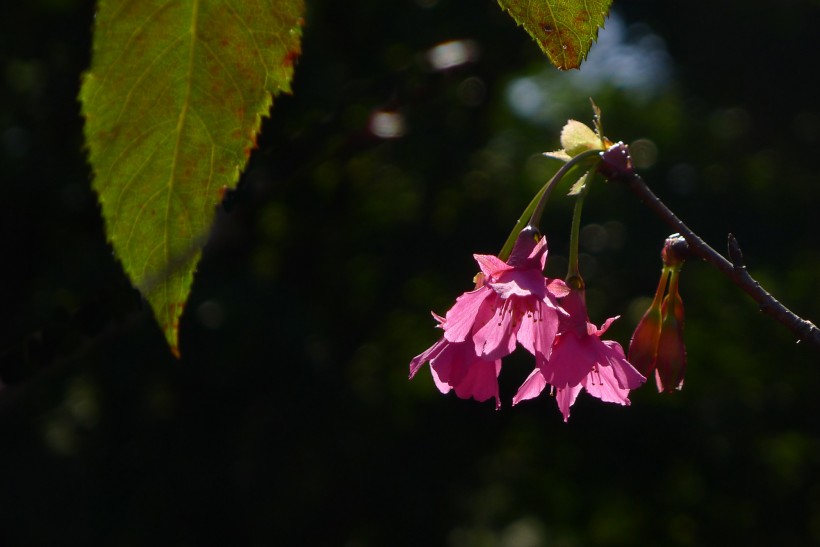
(170, 326)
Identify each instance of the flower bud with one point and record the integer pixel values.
(657, 343)
(674, 252)
(670, 361)
(644, 344)
(616, 162)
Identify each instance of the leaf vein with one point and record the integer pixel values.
(126, 187)
(177, 145)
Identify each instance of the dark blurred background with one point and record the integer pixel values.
(289, 419)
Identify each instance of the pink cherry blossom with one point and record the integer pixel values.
(522, 302)
(513, 302)
(581, 359)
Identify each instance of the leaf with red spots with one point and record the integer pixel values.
(173, 103)
(565, 29)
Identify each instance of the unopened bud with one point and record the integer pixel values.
(644, 344)
(671, 357)
(616, 162)
(675, 251)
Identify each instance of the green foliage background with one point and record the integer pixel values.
(290, 421)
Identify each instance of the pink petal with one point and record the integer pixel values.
(453, 362)
(481, 381)
(538, 329)
(526, 332)
(461, 317)
(496, 339)
(431, 353)
(532, 387)
(520, 283)
(601, 383)
(566, 398)
(606, 325)
(539, 253)
(570, 361)
(557, 288)
(627, 376)
(443, 387)
(457, 366)
(491, 265)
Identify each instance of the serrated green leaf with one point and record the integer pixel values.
(173, 104)
(565, 29)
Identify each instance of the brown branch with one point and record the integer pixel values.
(734, 269)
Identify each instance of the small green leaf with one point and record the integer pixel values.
(173, 104)
(565, 29)
(577, 137)
(579, 185)
(559, 155)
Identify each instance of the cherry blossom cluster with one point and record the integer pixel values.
(514, 302)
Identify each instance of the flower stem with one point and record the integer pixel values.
(659, 292)
(673, 288)
(574, 279)
(532, 214)
(535, 219)
(735, 271)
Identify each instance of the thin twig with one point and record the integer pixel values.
(734, 270)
